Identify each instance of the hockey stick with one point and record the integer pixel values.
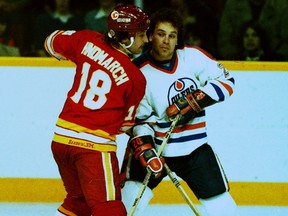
(149, 172)
(181, 190)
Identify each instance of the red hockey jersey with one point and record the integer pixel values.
(105, 94)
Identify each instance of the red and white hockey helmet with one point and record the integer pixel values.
(127, 18)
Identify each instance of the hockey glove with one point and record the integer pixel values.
(189, 105)
(144, 152)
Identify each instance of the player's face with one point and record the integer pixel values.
(139, 41)
(164, 39)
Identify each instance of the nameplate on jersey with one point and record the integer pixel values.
(105, 60)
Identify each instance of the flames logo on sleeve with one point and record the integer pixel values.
(180, 88)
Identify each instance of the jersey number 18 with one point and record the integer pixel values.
(99, 85)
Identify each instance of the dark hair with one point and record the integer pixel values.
(264, 42)
(117, 39)
(168, 15)
(268, 53)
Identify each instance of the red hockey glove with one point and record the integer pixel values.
(143, 150)
(189, 105)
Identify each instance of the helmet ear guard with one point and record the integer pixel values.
(127, 18)
(129, 45)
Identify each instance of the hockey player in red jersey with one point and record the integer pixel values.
(102, 102)
(191, 80)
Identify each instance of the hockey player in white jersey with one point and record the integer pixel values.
(180, 78)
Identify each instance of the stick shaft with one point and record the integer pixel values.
(149, 173)
(181, 190)
(168, 134)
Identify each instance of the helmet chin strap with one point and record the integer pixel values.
(126, 47)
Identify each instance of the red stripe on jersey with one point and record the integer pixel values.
(227, 87)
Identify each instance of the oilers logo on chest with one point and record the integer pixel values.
(180, 88)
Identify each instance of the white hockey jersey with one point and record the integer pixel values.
(190, 69)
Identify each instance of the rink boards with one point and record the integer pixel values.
(32, 91)
(51, 190)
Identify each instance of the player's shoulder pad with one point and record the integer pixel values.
(198, 49)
